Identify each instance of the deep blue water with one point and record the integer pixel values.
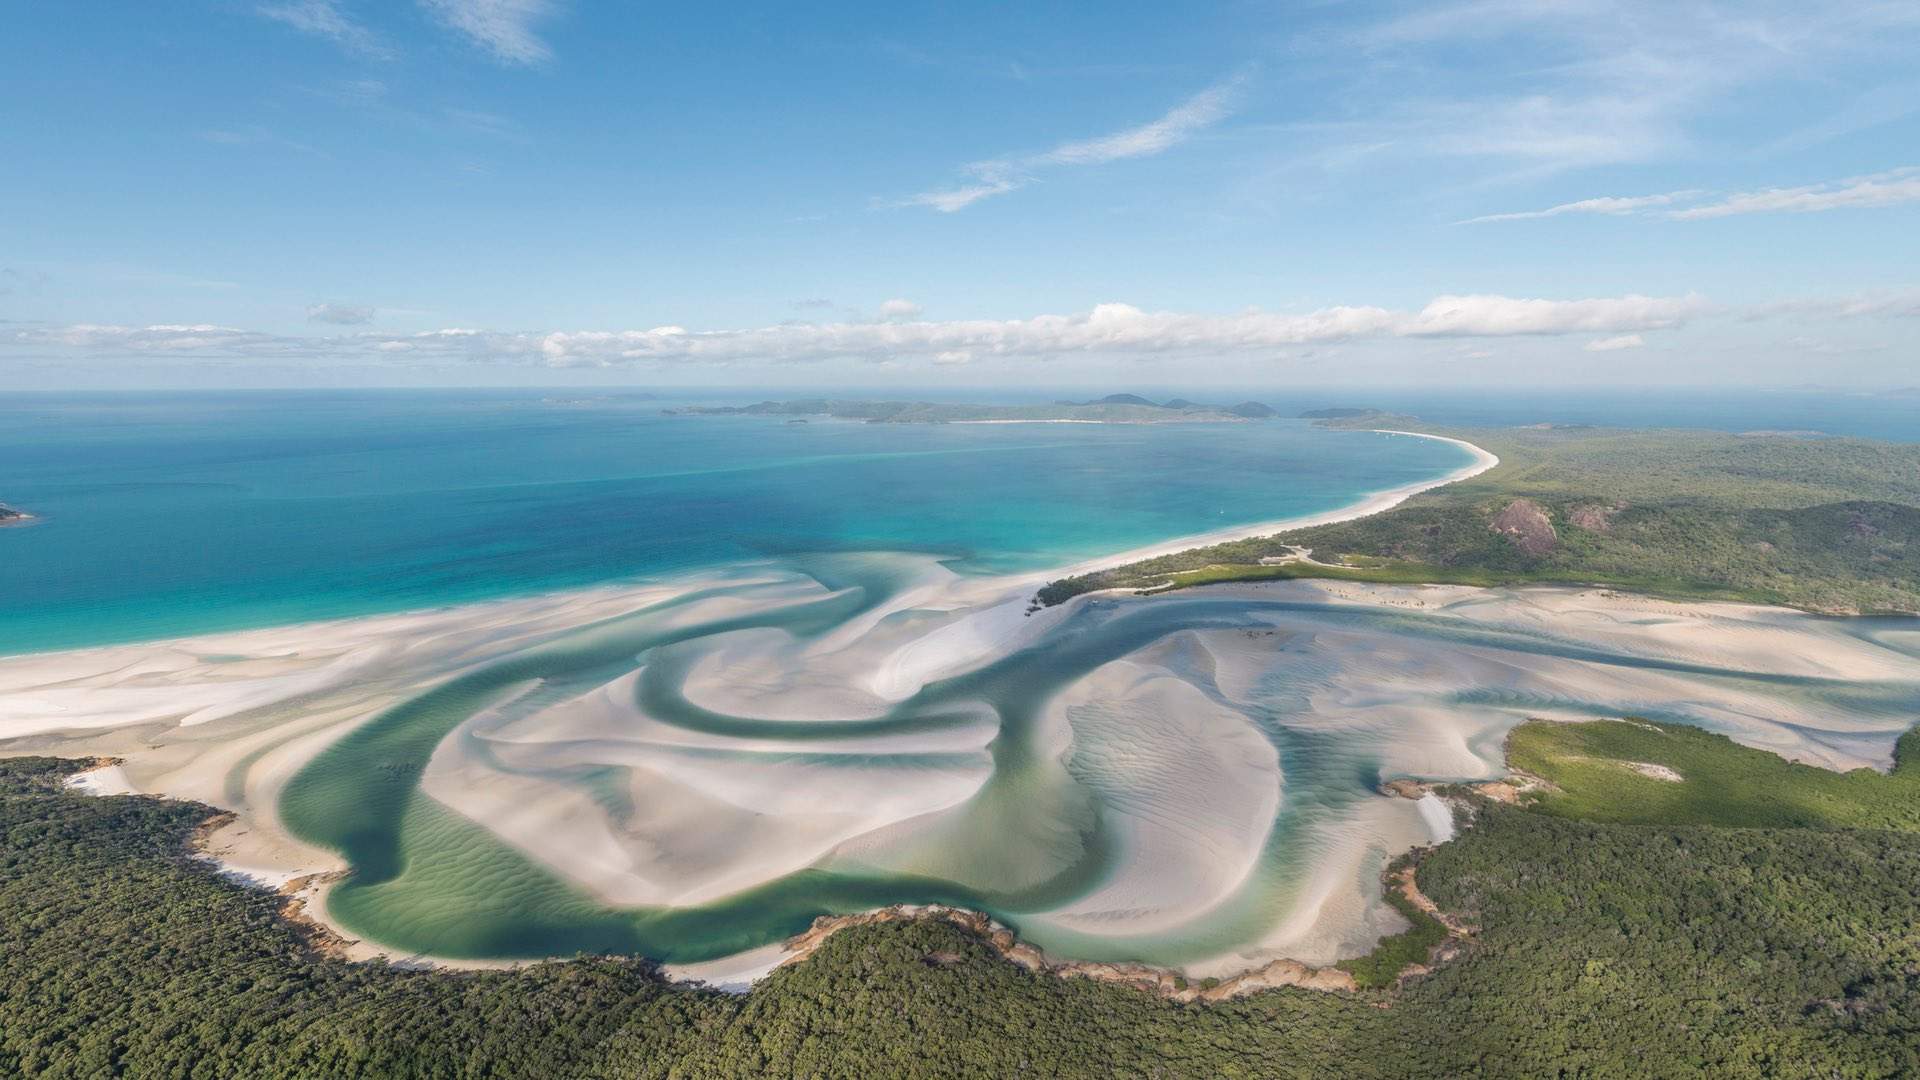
(171, 514)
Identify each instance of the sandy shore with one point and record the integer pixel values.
(1378, 502)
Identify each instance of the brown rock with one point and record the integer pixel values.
(1526, 523)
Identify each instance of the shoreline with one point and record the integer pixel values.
(1366, 506)
(1376, 503)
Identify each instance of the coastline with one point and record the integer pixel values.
(1376, 503)
(252, 845)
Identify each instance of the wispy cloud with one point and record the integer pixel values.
(1882, 189)
(502, 27)
(1608, 204)
(326, 18)
(1881, 304)
(340, 314)
(1002, 175)
(1197, 113)
(1526, 88)
(1889, 188)
(1616, 343)
(255, 135)
(183, 337)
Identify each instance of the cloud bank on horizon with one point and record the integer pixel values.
(440, 190)
(898, 334)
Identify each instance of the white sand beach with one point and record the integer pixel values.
(1375, 503)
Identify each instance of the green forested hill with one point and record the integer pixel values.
(1604, 950)
(1823, 524)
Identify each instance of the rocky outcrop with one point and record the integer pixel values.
(1594, 518)
(1526, 523)
(1507, 790)
(1156, 980)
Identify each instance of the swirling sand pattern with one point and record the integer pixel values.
(694, 769)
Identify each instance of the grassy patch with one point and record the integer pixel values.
(1722, 783)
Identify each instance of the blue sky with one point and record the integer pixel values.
(466, 192)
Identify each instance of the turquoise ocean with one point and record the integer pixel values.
(166, 515)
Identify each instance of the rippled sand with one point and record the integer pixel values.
(694, 768)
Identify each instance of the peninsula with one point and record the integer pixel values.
(1829, 525)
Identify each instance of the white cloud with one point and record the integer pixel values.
(159, 338)
(324, 18)
(1607, 204)
(1501, 316)
(340, 314)
(1882, 189)
(1107, 329)
(1002, 175)
(1197, 113)
(949, 200)
(1888, 188)
(1615, 344)
(1111, 330)
(899, 309)
(502, 27)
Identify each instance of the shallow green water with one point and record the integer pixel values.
(1031, 840)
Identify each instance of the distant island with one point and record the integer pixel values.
(1112, 409)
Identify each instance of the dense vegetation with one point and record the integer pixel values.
(1604, 949)
(1823, 524)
